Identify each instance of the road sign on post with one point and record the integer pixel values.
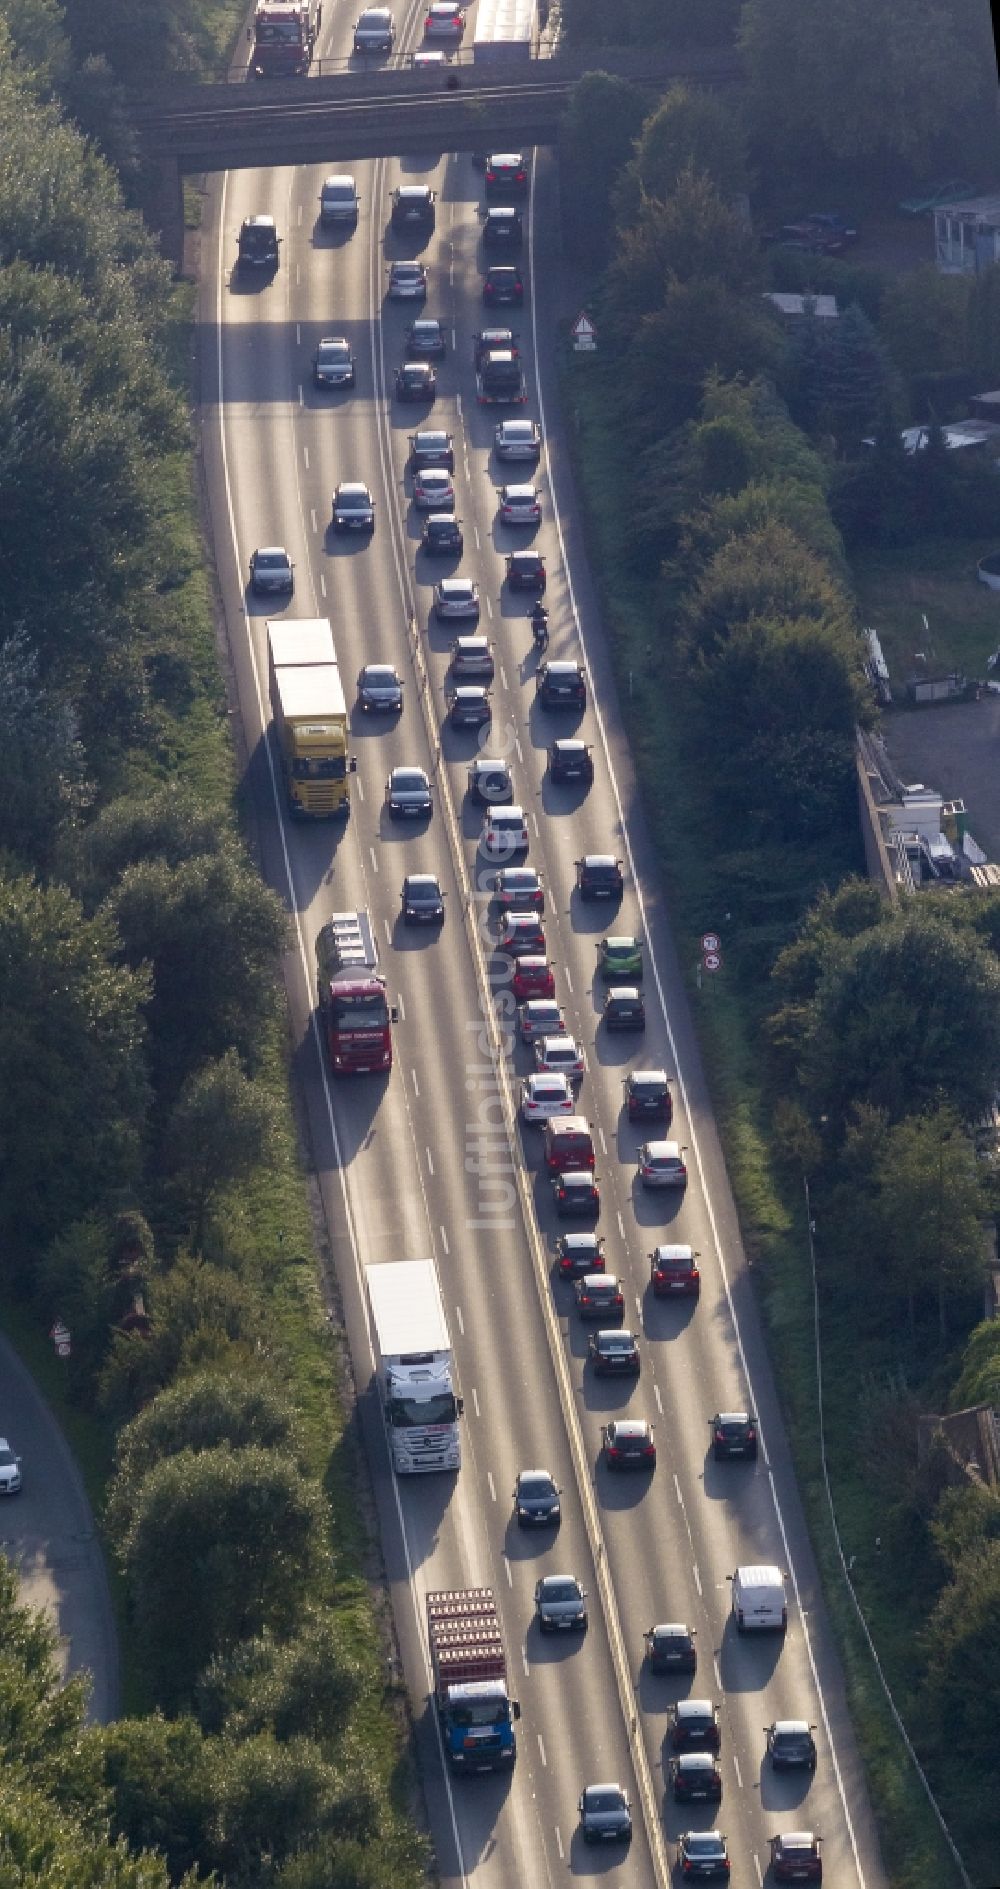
(584, 334)
(712, 960)
(60, 1336)
(711, 941)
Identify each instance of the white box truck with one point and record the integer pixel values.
(414, 1364)
(758, 1600)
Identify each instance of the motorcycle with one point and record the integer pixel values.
(540, 626)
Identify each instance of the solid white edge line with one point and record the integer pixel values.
(693, 1143)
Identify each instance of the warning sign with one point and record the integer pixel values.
(584, 334)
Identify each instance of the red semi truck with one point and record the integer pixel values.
(356, 1017)
(283, 34)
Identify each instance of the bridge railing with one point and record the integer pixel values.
(382, 62)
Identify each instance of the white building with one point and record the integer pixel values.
(967, 235)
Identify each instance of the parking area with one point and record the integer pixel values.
(955, 748)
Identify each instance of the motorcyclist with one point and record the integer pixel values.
(540, 625)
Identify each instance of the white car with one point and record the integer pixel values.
(505, 832)
(519, 505)
(10, 1469)
(562, 1055)
(444, 20)
(433, 489)
(407, 282)
(517, 439)
(543, 1096)
(456, 597)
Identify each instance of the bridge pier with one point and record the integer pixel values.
(164, 207)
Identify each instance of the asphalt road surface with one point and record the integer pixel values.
(48, 1533)
(427, 1161)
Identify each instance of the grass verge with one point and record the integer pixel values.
(897, 589)
(726, 1012)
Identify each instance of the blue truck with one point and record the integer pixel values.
(470, 1680)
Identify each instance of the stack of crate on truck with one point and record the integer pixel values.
(469, 1665)
(355, 1013)
(310, 716)
(414, 1366)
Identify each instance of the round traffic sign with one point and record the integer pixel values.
(712, 961)
(62, 1349)
(711, 941)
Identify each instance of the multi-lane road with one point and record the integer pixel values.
(428, 1162)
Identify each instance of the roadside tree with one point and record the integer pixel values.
(218, 1133)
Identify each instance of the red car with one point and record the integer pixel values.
(795, 1857)
(568, 1145)
(673, 1272)
(533, 977)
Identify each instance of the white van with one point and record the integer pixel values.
(759, 1599)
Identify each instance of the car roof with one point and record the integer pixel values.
(591, 1279)
(535, 1475)
(381, 669)
(795, 1727)
(509, 814)
(675, 1628)
(428, 435)
(441, 476)
(505, 157)
(422, 878)
(614, 1335)
(663, 1150)
(657, 1077)
(622, 941)
(581, 1239)
(624, 993)
(696, 1761)
(334, 341)
(694, 1708)
(734, 1416)
(598, 859)
(353, 485)
(796, 1839)
(611, 1785)
(630, 1426)
(413, 190)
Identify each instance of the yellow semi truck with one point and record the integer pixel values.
(310, 716)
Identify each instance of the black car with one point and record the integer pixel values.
(605, 1815)
(647, 1096)
(791, 1745)
(506, 171)
(271, 572)
(472, 659)
(425, 339)
(380, 689)
(442, 535)
(503, 286)
(416, 380)
(579, 1253)
(490, 781)
(422, 899)
(696, 1777)
(502, 227)
(624, 1008)
(432, 447)
(703, 1853)
(333, 363)
(561, 685)
(600, 876)
(694, 1726)
(413, 207)
(257, 251)
(670, 1648)
(599, 1296)
(526, 571)
(628, 1444)
(469, 706)
(614, 1353)
(536, 1499)
(571, 760)
(734, 1433)
(576, 1193)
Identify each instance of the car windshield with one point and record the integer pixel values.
(7, 1459)
(406, 1414)
(426, 330)
(603, 1800)
(262, 240)
(272, 561)
(409, 780)
(480, 1712)
(560, 1590)
(278, 32)
(519, 429)
(423, 894)
(359, 1010)
(793, 1741)
(381, 676)
(430, 442)
(407, 271)
(795, 1852)
(616, 1341)
(536, 1485)
(704, 1846)
(356, 500)
(333, 351)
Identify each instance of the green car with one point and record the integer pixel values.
(620, 958)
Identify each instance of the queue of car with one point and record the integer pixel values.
(549, 1092)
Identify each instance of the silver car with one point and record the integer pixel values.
(408, 792)
(407, 282)
(353, 507)
(338, 199)
(433, 489)
(661, 1164)
(456, 597)
(519, 505)
(560, 1604)
(10, 1469)
(517, 439)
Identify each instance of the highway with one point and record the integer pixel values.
(428, 1162)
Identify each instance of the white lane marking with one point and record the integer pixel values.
(524, 1662)
(458, 403)
(718, 1678)
(518, 750)
(359, 785)
(695, 1143)
(453, 337)
(302, 395)
(510, 1577)
(756, 1864)
(314, 521)
(534, 822)
(388, 934)
(305, 455)
(298, 325)
(503, 676)
(559, 1846)
(541, 1749)
(493, 1489)
(401, 1007)
(475, 533)
(430, 1162)
(413, 1073)
(444, 1239)
(374, 860)
(697, 1577)
(621, 1226)
(736, 1768)
(677, 1490)
(298, 219)
(461, 1321)
(322, 583)
(604, 1148)
(475, 1401)
(489, 607)
(659, 1406)
(566, 973)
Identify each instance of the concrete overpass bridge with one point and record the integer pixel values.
(398, 111)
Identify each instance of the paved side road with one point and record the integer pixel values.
(48, 1532)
